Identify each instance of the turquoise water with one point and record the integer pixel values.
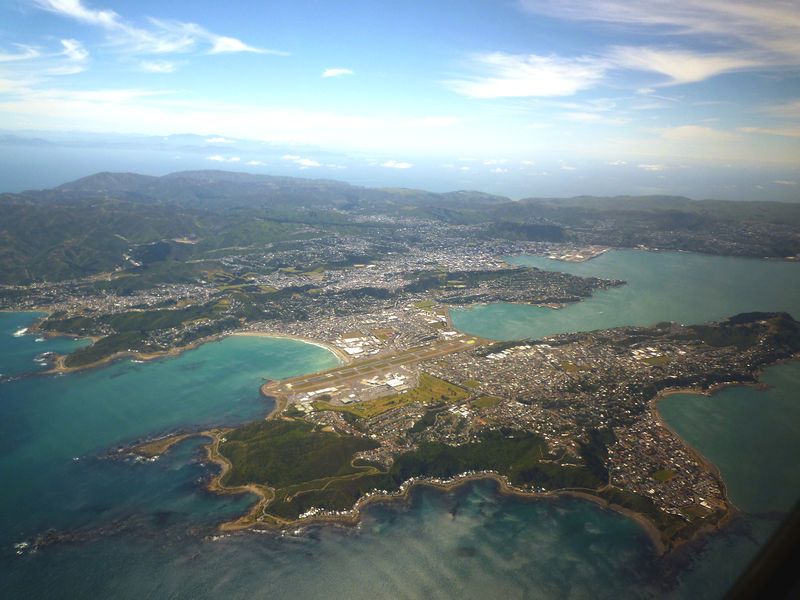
(754, 438)
(661, 286)
(140, 529)
(49, 422)
(19, 349)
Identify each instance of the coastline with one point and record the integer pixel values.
(352, 516)
(60, 367)
(255, 518)
(346, 358)
(705, 462)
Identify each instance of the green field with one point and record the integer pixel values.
(430, 390)
(663, 475)
(486, 402)
(285, 453)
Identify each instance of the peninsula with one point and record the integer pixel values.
(573, 414)
(372, 275)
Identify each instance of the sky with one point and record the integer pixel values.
(518, 97)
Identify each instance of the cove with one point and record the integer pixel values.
(19, 350)
(661, 286)
(55, 430)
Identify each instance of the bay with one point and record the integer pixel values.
(140, 529)
(661, 286)
(56, 430)
(19, 349)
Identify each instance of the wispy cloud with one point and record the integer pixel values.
(23, 52)
(746, 36)
(770, 29)
(787, 111)
(397, 165)
(303, 162)
(219, 158)
(681, 66)
(791, 131)
(785, 182)
(697, 132)
(513, 75)
(218, 140)
(336, 72)
(652, 167)
(157, 66)
(158, 37)
(593, 117)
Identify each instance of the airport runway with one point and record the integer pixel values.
(367, 368)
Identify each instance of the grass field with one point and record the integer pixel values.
(663, 475)
(486, 402)
(656, 360)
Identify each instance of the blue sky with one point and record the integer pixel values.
(528, 97)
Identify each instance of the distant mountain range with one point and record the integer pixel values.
(91, 225)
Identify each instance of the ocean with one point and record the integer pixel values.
(113, 527)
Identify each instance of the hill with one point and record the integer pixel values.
(107, 222)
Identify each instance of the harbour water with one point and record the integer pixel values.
(126, 529)
(661, 286)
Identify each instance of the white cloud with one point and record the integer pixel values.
(303, 162)
(28, 64)
(568, 168)
(218, 140)
(227, 44)
(23, 53)
(680, 66)
(593, 117)
(74, 50)
(769, 30)
(617, 163)
(499, 170)
(697, 132)
(396, 165)
(792, 131)
(787, 111)
(160, 37)
(254, 163)
(157, 66)
(785, 182)
(464, 168)
(218, 158)
(495, 161)
(652, 167)
(336, 72)
(514, 75)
